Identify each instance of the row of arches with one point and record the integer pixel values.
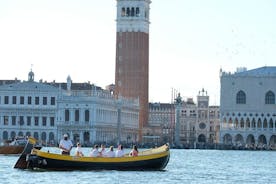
(249, 140)
(50, 138)
(130, 12)
(241, 97)
(260, 123)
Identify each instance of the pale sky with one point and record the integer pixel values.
(190, 40)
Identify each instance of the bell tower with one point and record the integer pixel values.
(132, 54)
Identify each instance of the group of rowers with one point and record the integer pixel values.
(66, 145)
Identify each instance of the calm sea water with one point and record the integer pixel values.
(185, 166)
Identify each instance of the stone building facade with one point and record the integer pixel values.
(184, 123)
(48, 110)
(248, 117)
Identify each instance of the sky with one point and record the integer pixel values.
(190, 41)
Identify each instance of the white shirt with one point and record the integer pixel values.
(95, 153)
(119, 153)
(67, 144)
(110, 153)
(78, 150)
(103, 153)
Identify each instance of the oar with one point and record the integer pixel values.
(22, 162)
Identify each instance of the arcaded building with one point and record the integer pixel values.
(87, 113)
(248, 116)
(132, 54)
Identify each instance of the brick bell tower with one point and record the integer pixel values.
(132, 54)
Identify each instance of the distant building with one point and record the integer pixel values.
(207, 123)
(248, 116)
(160, 127)
(48, 110)
(28, 109)
(185, 124)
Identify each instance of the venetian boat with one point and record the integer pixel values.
(15, 146)
(151, 159)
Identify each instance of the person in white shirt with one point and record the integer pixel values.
(103, 151)
(120, 151)
(95, 152)
(79, 152)
(65, 145)
(110, 152)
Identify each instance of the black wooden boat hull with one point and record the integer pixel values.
(32, 158)
(35, 162)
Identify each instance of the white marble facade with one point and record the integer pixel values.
(248, 116)
(48, 110)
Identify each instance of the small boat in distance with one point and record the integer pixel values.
(151, 159)
(15, 146)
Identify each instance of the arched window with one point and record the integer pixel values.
(13, 134)
(43, 136)
(36, 135)
(236, 123)
(242, 123)
(269, 98)
(5, 135)
(241, 98)
(253, 123)
(247, 123)
(265, 123)
(259, 124)
(270, 123)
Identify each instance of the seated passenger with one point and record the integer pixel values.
(95, 152)
(103, 151)
(119, 151)
(78, 150)
(134, 151)
(110, 152)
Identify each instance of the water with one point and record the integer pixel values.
(185, 166)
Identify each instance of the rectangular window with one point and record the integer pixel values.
(37, 100)
(44, 100)
(29, 100)
(13, 120)
(29, 120)
(13, 99)
(86, 116)
(21, 120)
(77, 115)
(52, 121)
(36, 120)
(53, 100)
(44, 121)
(67, 114)
(21, 100)
(6, 100)
(6, 120)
